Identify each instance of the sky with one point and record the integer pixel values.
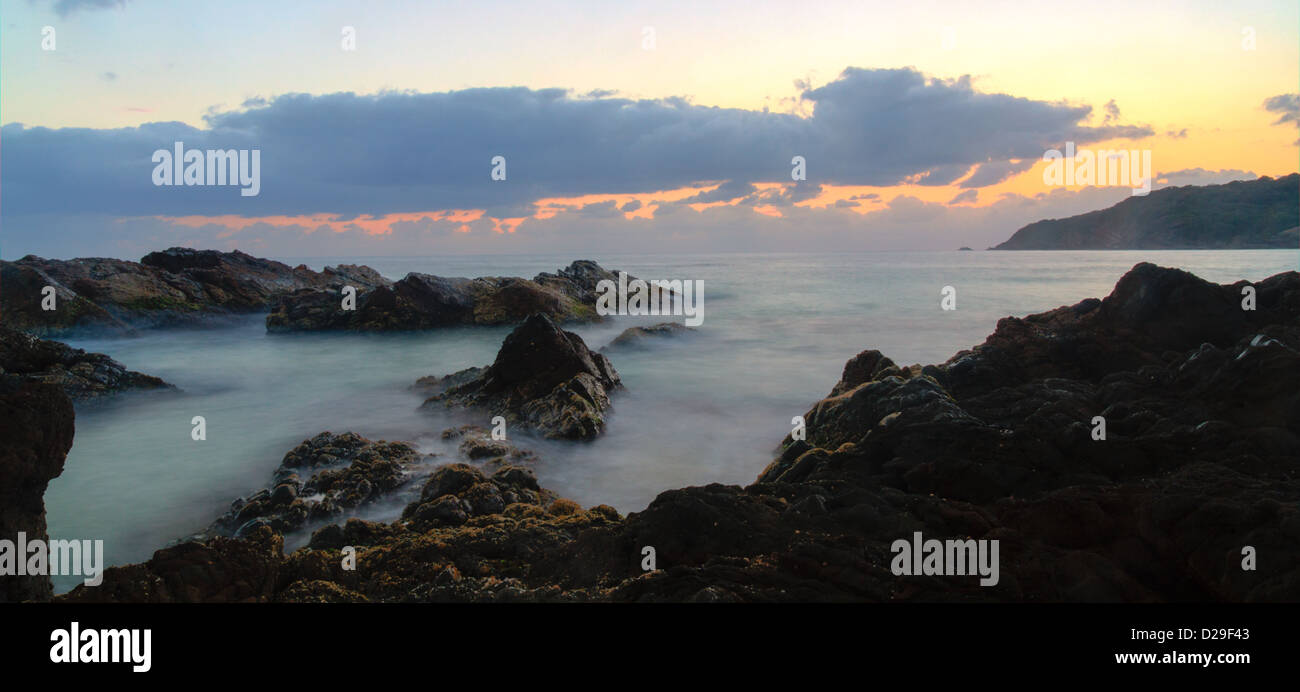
(632, 126)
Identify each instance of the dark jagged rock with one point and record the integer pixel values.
(220, 570)
(343, 472)
(1203, 430)
(543, 379)
(1199, 461)
(635, 336)
(457, 492)
(175, 286)
(422, 301)
(36, 427)
(81, 375)
(432, 384)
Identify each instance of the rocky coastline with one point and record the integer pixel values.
(1197, 463)
(178, 286)
(36, 426)
(82, 376)
(423, 301)
(186, 287)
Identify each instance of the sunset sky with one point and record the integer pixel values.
(630, 126)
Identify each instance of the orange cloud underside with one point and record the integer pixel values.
(548, 207)
(371, 225)
(865, 199)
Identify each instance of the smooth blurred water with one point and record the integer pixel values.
(706, 407)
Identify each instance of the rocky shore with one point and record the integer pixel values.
(178, 286)
(82, 376)
(36, 427)
(422, 301)
(1198, 464)
(182, 286)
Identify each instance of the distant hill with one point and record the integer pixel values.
(1263, 213)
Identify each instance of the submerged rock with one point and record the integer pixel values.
(81, 375)
(634, 336)
(343, 472)
(543, 379)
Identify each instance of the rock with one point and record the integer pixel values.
(429, 384)
(219, 570)
(451, 480)
(354, 532)
(633, 336)
(319, 591)
(422, 301)
(81, 375)
(36, 428)
(543, 379)
(1203, 430)
(344, 471)
(864, 367)
(175, 286)
(480, 446)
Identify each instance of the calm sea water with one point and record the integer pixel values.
(708, 407)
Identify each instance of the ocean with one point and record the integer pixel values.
(701, 408)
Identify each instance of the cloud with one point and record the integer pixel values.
(1112, 112)
(108, 76)
(965, 196)
(601, 210)
(1286, 104)
(729, 191)
(995, 172)
(1201, 176)
(1176, 134)
(1288, 108)
(397, 152)
(904, 223)
(64, 8)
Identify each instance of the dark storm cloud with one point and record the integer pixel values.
(402, 151)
